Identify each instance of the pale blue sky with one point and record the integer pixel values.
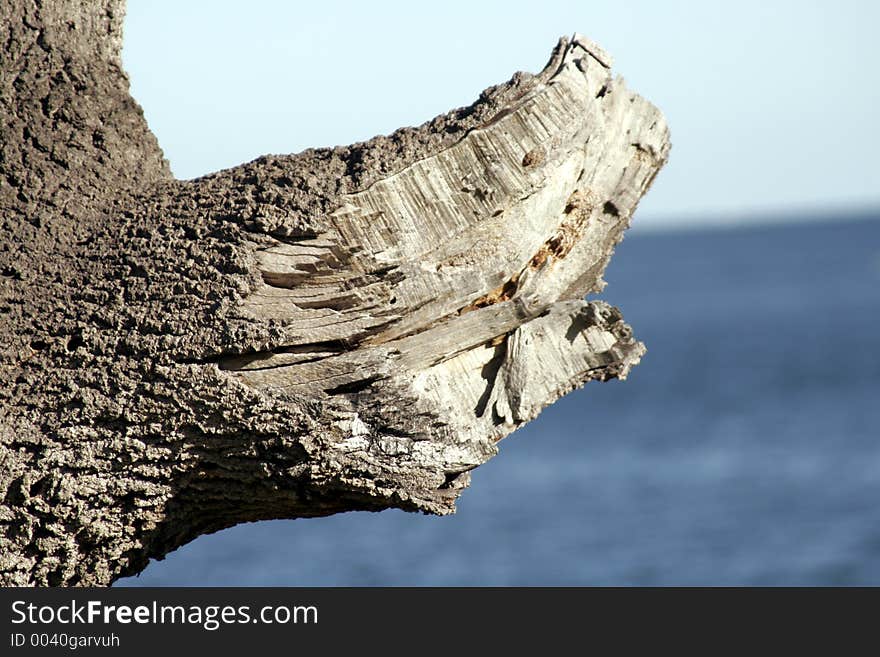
(773, 105)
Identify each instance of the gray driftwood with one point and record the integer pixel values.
(342, 329)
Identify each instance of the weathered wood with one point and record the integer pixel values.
(343, 329)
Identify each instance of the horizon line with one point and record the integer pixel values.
(769, 217)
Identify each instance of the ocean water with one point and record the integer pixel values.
(745, 449)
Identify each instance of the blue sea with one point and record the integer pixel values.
(745, 449)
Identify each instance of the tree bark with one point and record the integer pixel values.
(343, 329)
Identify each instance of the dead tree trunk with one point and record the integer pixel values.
(342, 329)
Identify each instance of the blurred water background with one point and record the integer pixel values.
(745, 449)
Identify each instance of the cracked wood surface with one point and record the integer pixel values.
(343, 329)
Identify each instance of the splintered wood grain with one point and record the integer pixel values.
(459, 279)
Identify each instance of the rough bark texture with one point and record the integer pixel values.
(342, 329)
